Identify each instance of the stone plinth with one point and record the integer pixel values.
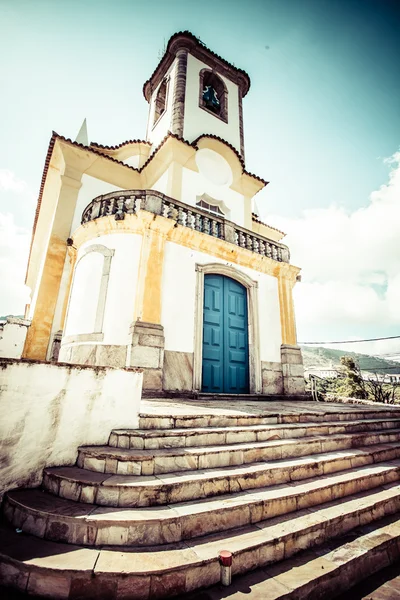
(292, 370)
(147, 352)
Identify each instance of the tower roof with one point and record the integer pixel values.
(187, 41)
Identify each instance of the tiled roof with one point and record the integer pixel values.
(216, 137)
(196, 42)
(257, 220)
(92, 148)
(120, 145)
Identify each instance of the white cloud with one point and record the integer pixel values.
(351, 265)
(14, 249)
(9, 182)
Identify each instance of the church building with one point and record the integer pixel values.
(149, 254)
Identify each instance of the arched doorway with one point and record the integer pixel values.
(225, 352)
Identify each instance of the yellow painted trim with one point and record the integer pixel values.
(72, 253)
(287, 315)
(185, 237)
(37, 339)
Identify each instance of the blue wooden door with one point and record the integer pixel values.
(225, 336)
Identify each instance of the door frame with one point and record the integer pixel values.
(253, 322)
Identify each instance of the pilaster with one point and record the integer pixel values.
(37, 340)
(178, 107)
(286, 279)
(292, 370)
(147, 345)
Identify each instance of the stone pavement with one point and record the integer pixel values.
(243, 406)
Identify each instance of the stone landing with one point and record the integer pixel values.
(145, 516)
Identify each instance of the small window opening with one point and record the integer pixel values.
(161, 101)
(213, 94)
(210, 207)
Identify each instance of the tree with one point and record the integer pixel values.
(380, 390)
(353, 380)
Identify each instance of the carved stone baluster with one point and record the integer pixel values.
(120, 214)
(172, 212)
(274, 253)
(181, 216)
(255, 245)
(190, 219)
(221, 231)
(269, 252)
(279, 254)
(130, 205)
(104, 208)
(242, 239)
(206, 225)
(198, 223)
(165, 209)
(111, 207)
(138, 204)
(249, 242)
(261, 247)
(214, 228)
(236, 237)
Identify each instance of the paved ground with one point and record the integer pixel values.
(242, 406)
(256, 585)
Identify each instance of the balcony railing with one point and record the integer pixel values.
(118, 204)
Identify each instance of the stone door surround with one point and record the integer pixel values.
(254, 335)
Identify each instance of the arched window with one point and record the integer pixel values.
(161, 100)
(87, 301)
(213, 95)
(212, 205)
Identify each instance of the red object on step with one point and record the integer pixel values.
(225, 558)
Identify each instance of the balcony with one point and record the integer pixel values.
(128, 202)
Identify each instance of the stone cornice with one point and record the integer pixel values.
(184, 40)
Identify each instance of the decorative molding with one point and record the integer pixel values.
(107, 253)
(223, 114)
(255, 381)
(224, 208)
(82, 337)
(126, 202)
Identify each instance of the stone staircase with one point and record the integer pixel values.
(147, 515)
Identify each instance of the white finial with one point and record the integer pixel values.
(82, 137)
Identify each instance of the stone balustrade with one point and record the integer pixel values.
(132, 201)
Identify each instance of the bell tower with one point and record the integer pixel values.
(193, 92)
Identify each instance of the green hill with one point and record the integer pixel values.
(326, 358)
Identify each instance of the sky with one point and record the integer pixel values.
(321, 122)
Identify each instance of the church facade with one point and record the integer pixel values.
(149, 254)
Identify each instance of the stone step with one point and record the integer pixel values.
(47, 568)
(149, 439)
(44, 515)
(130, 461)
(326, 572)
(182, 421)
(130, 491)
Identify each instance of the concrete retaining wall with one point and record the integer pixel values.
(47, 410)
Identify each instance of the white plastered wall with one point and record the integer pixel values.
(195, 184)
(178, 302)
(90, 189)
(198, 121)
(47, 411)
(157, 132)
(161, 184)
(121, 289)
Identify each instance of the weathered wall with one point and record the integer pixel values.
(48, 410)
(12, 337)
